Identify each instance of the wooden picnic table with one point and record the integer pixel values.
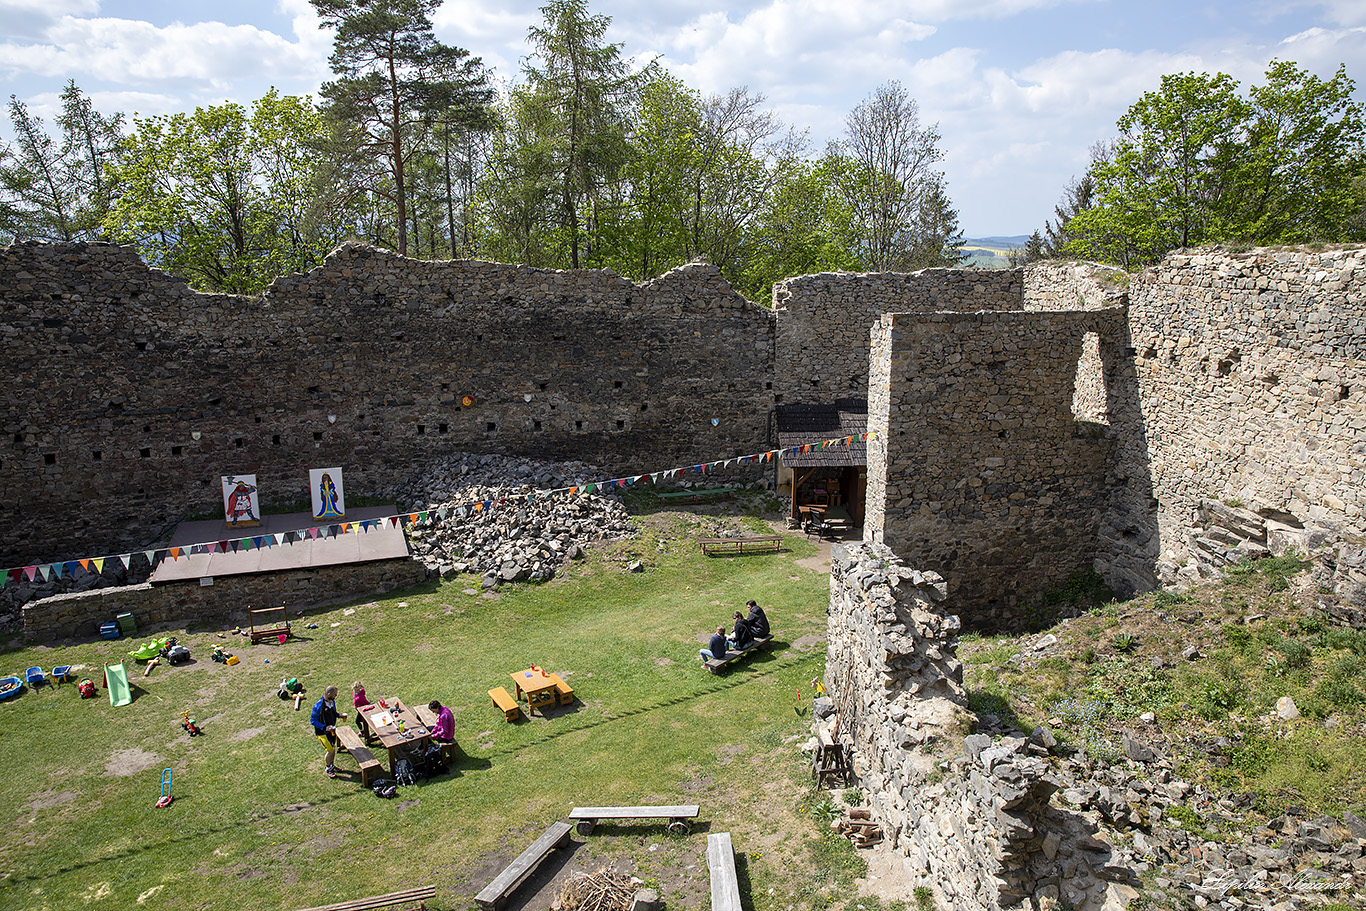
(537, 686)
(383, 721)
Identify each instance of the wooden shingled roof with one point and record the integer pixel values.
(802, 424)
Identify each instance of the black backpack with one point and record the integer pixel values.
(384, 787)
(403, 771)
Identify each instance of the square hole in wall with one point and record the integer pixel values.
(578, 425)
(535, 425)
(177, 450)
(141, 346)
(144, 453)
(18, 438)
(621, 425)
(258, 420)
(768, 385)
(315, 389)
(443, 428)
(490, 427)
(49, 458)
(421, 429)
(146, 428)
(644, 406)
(317, 435)
(616, 384)
(275, 440)
(238, 442)
(96, 456)
(543, 386)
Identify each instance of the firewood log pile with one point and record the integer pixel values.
(604, 890)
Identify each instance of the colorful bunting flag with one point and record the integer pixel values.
(126, 560)
(99, 564)
(151, 556)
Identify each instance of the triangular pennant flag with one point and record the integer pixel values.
(99, 565)
(71, 566)
(30, 572)
(126, 560)
(346, 527)
(393, 521)
(85, 565)
(4, 577)
(256, 542)
(441, 513)
(412, 517)
(175, 553)
(55, 570)
(573, 490)
(280, 537)
(44, 571)
(151, 556)
(423, 516)
(333, 530)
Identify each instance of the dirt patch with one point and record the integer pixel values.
(47, 799)
(663, 662)
(805, 643)
(130, 762)
(247, 733)
(728, 752)
(886, 877)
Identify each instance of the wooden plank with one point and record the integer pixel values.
(725, 886)
(420, 894)
(678, 812)
(504, 883)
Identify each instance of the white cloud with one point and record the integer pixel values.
(26, 19)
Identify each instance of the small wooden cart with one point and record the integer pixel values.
(268, 623)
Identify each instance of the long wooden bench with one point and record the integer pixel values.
(725, 885)
(370, 767)
(505, 883)
(714, 665)
(420, 895)
(588, 817)
(746, 545)
(563, 690)
(696, 496)
(502, 699)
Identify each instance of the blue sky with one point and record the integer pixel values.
(1019, 88)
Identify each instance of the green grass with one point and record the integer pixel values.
(257, 825)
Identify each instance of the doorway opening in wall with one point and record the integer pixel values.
(1089, 405)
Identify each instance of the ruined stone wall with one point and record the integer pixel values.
(180, 604)
(1252, 368)
(824, 320)
(970, 818)
(979, 469)
(129, 395)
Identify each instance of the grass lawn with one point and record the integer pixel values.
(256, 823)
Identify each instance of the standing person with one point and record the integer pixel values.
(324, 720)
(740, 637)
(757, 621)
(444, 731)
(717, 647)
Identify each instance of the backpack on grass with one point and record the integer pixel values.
(403, 771)
(384, 787)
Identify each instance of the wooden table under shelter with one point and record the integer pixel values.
(537, 686)
(383, 721)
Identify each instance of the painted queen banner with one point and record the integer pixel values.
(328, 496)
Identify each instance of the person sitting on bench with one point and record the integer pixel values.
(757, 621)
(740, 638)
(716, 649)
(443, 732)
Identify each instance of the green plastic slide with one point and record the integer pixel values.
(117, 679)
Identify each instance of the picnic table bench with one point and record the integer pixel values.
(370, 767)
(743, 545)
(420, 895)
(678, 816)
(696, 496)
(503, 885)
(502, 699)
(725, 886)
(714, 665)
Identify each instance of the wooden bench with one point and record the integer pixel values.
(502, 699)
(588, 817)
(419, 895)
(370, 767)
(725, 886)
(262, 633)
(751, 544)
(714, 665)
(563, 690)
(503, 885)
(428, 719)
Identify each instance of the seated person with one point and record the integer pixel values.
(717, 647)
(757, 621)
(443, 732)
(740, 638)
(359, 700)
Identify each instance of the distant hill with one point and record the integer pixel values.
(1015, 240)
(990, 252)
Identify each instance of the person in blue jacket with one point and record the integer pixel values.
(324, 720)
(717, 647)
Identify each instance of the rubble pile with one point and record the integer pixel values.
(491, 515)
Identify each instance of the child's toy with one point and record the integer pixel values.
(223, 656)
(10, 686)
(165, 799)
(189, 725)
(87, 688)
(289, 687)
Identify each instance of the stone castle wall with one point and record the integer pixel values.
(1252, 375)
(970, 818)
(980, 470)
(129, 395)
(824, 320)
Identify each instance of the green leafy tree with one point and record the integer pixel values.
(806, 227)
(394, 77)
(223, 199)
(55, 188)
(587, 91)
(1078, 196)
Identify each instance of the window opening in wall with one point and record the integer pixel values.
(1088, 387)
(147, 428)
(616, 384)
(49, 458)
(177, 450)
(644, 406)
(1343, 392)
(478, 338)
(18, 438)
(535, 425)
(144, 453)
(578, 425)
(238, 442)
(258, 420)
(275, 440)
(445, 387)
(443, 428)
(421, 429)
(777, 397)
(543, 386)
(317, 435)
(490, 426)
(96, 456)
(621, 425)
(815, 382)
(1226, 364)
(768, 385)
(141, 346)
